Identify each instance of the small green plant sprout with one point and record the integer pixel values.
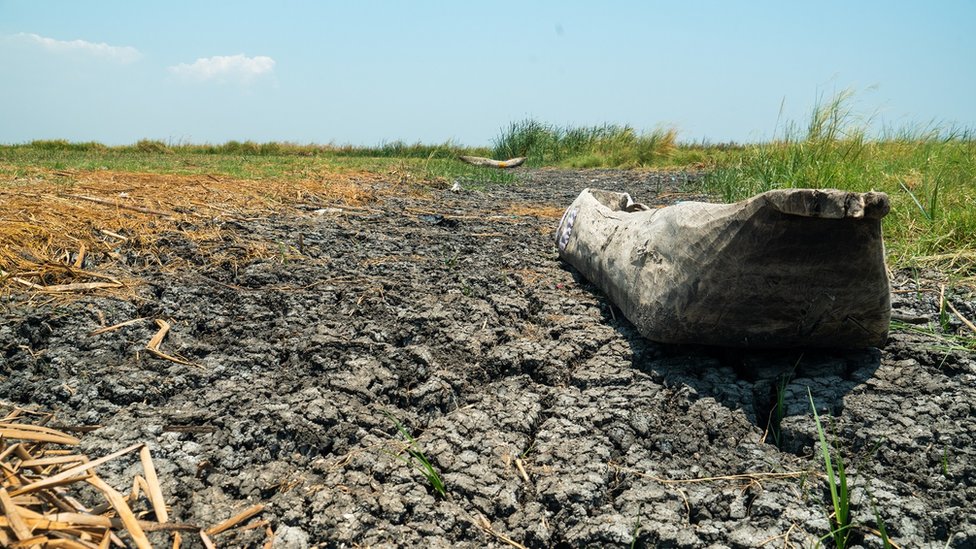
(882, 531)
(943, 312)
(778, 412)
(635, 535)
(945, 461)
(283, 252)
(411, 455)
(840, 495)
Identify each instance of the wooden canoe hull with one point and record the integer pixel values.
(793, 268)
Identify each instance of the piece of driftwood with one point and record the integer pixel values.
(480, 161)
(787, 268)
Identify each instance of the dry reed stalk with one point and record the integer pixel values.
(154, 343)
(12, 512)
(521, 469)
(125, 513)
(80, 259)
(34, 433)
(114, 327)
(207, 542)
(964, 320)
(37, 510)
(235, 520)
(116, 236)
(75, 287)
(486, 526)
(78, 472)
(154, 491)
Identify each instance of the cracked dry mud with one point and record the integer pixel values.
(551, 422)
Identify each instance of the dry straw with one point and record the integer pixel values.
(45, 503)
(69, 232)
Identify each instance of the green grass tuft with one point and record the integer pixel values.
(415, 457)
(779, 411)
(64, 145)
(945, 461)
(152, 146)
(837, 480)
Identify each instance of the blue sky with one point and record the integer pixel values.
(366, 72)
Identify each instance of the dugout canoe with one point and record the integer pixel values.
(786, 268)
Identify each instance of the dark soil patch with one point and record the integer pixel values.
(453, 313)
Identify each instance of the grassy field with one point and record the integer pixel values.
(929, 173)
(249, 160)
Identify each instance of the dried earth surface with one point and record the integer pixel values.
(551, 422)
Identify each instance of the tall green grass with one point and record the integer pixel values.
(609, 145)
(65, 145)
(841, 520)
(928, 172)
(840, 494)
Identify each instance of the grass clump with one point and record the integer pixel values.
(65, 145)
(609, 145)
(152, 146)
(841, 519)
(840, 495)
(778, 413)
(927, 172)
(415, 457)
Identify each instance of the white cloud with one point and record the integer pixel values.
(120, 54)
(225, 67)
